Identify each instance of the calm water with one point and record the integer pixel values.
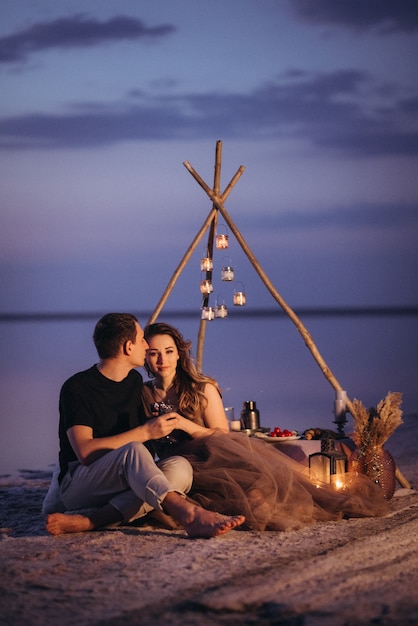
(262, 359)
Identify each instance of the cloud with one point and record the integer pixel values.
(344, 111)
(78, 31)
(383, 16)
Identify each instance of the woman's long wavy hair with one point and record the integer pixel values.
(189, 383)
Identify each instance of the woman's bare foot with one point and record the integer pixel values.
(59, 523)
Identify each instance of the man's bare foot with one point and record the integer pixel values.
(206, 524)
(59, 523)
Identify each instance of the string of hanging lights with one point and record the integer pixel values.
(220, 310)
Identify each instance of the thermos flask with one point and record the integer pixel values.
(250, 416)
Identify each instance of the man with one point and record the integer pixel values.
(104, 463)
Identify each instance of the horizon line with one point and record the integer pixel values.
(379, 311)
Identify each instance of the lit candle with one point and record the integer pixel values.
(328, 467)
(227, 273)
(221, 242)
(206, 286)
(208, 313)
(221, 311)
(206, 264)
(240, 298)
(338, 483)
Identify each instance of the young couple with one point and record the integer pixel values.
(178, 415)
(105, 463)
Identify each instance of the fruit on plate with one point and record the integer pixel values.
(278, 432)
(319, 433)
(312, 433)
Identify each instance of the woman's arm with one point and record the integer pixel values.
(213, 415)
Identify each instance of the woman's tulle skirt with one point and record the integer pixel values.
(236, 474)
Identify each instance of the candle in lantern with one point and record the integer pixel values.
(227, 273)
(208, 313)
(328, 467)
(235, 425)
(221, 310)
(222, 241)
(206, 264)
(206, 286)
(240, 298)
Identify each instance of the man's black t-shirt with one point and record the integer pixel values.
(109, 408)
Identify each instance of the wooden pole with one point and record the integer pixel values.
(216, 187)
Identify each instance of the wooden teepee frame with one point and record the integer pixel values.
(218, 200)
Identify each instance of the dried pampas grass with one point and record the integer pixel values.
(374, 426)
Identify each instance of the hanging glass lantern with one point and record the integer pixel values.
(240, 299)
(221, 240)
(208, 313)
(221, 310)
(206, 264)
(227, 272)
(328, 466)
(206, 286)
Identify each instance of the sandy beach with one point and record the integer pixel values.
(357, 571)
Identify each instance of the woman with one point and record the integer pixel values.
(231, 469)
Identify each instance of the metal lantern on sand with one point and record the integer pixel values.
(328, 466)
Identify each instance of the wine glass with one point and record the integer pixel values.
(161, 408)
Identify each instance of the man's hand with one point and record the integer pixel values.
(163, 425)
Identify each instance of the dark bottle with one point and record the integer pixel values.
(250, 416)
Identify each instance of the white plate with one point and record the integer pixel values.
(278, 439)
